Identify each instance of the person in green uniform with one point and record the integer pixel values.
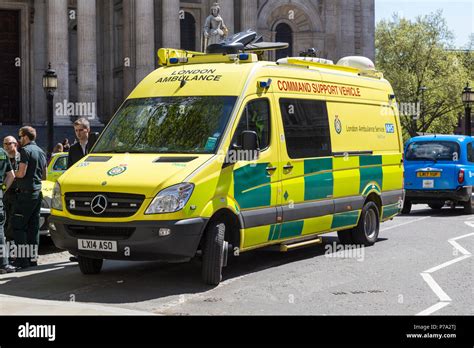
(27, 209)
(7, 176)
(10, 145)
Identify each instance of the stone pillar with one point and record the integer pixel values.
(145, 38)
(346, 43)
(58, 53)
(171, 24)
(248, 15)
(87, 56)
(368, 29)
(227, 13)
(128, 47)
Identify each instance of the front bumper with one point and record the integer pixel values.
(136, 241)
(462, 194)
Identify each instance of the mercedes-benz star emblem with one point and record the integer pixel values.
(99, 204)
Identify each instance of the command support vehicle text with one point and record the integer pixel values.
(219, 154)
(439, 169)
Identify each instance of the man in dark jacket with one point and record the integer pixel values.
(82, 148)
(26, 218)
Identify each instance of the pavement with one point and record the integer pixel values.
(421, 265)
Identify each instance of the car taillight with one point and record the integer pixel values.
(461, 176)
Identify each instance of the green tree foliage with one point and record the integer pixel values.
(416, 54)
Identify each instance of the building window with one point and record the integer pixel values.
(306, 128)
(284, 34)
(188, 32)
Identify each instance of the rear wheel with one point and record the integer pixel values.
(436, 206)
(90, 266)
(406, 207)
(214, 253)
(367, 231)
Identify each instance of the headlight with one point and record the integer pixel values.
(56, 199)
(171, 200)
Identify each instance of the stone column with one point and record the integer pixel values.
(248, 15)
(346, 43)
(368, 29)
(128, 47)
(227, 13)
(171, 24)
(145, 38)
(58, 53)
(87, 56)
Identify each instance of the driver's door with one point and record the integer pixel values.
(256, 183)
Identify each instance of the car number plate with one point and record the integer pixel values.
(427, 184)
(97, 245)
(429, 174)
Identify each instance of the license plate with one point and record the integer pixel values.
(97, 245)
(429, 174)
(427, 184)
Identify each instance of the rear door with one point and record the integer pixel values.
(432, 165)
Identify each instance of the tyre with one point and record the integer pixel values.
(367, 231)
(436, 206)
(406, 207)
(90, 266)
(214, 253)
(345, 237)
(468, 208)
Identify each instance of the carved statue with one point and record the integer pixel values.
(214, 29)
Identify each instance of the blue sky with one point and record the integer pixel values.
(459, 14)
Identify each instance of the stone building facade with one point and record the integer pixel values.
(101, 49)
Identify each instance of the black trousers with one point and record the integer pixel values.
(26, 225)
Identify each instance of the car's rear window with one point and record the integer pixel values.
(433, 151)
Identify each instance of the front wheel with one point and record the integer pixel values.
(406, 207)
(367, 231)
(89, 266)
(214, 253)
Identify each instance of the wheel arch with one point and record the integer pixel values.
(232, 235)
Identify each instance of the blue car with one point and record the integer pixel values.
(439, 169)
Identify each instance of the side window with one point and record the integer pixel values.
(470, 152)
(256, 117)
(60, 164)
(306, 128)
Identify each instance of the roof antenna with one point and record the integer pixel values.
(183, 81)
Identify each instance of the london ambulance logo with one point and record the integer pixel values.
(117, 171)
(338, 125)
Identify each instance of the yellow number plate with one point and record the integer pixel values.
(429, 175)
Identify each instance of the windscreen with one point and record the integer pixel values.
(433, 151)
(178, 125)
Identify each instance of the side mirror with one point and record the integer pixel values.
(250, 145)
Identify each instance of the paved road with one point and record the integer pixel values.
(417, 267)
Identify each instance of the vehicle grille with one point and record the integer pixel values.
(95, 232)
(119, 205)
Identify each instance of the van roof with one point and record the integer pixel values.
(233, 77)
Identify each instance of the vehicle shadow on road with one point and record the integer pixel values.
(131, 282)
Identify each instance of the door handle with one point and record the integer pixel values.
(270, 170)
(288, 167)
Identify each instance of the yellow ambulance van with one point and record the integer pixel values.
(213, 155)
